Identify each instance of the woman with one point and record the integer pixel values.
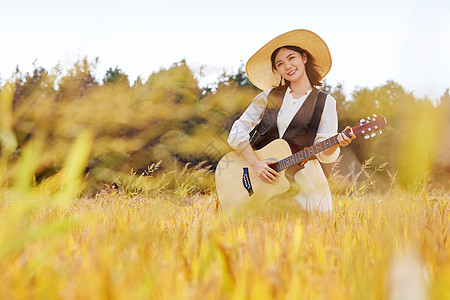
(287, 69)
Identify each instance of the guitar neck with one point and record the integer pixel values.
(364, 127)
(305, 154)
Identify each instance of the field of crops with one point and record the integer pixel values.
(167, 245)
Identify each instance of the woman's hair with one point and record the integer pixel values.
(310, 66)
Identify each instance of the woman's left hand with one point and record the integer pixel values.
(343, 139)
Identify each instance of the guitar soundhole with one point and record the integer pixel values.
(246, 182)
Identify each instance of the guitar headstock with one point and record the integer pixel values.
(369, 126)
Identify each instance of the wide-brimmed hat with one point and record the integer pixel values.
(259, 67)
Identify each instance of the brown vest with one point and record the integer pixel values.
(297, 131)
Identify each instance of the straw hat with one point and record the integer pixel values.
(259, 67)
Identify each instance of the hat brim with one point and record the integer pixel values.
(259, 67)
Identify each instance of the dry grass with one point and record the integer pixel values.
(120, 247)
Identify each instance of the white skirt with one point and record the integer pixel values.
(314, 195)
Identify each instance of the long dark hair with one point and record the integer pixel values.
(311, 66)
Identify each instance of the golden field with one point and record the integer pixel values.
(119, 246)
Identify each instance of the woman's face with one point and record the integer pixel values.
(290, 64)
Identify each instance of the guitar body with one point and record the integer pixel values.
(237, 184)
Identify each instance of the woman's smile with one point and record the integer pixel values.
(290, 73)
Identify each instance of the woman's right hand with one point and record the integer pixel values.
(265, 172)
(260, 167)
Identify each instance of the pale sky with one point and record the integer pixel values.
(370, 42)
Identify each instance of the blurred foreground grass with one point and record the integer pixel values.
(171, 242)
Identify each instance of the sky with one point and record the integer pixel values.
(371, 42)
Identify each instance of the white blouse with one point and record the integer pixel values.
(315, 194)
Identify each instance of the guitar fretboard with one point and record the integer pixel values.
(305, 154)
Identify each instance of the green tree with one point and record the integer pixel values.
(115, 76)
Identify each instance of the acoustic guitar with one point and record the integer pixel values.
(238, 184)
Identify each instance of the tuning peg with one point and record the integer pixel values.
(375, 127)
(362, 121)
(374, 115)
(369, 129)
(366, 137)
(380, 132)
(373, 134)
(368, 118)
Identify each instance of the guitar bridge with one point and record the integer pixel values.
(246, 181)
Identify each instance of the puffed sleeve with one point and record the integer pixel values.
(240, 131)
(327, 128)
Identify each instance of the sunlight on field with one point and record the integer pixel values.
(122, 247)
(106, 193)
(417, 154)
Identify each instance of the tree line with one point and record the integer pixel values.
(169, 118)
